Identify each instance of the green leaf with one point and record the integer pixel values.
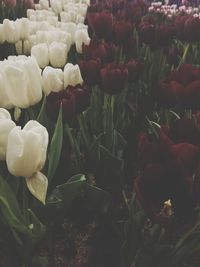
(42, 116)
(67, 192)
(109, 158)
(55, 147)
(10, 209)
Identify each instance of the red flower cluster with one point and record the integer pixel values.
(167, 171)
(187, 28)
(181, 88)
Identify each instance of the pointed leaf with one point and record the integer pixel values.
(55, 147)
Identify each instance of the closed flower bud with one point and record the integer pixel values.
(72, 75)
(24, 82)
(114, 78)
(90, 71)
(53, 80)
(6, 125)
(11, 31)
(81, 37)
(41, 54)
(56, 6)
(56, 49)
(23, 24)
(101, 23)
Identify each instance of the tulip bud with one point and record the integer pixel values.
(44, 4)
(53, 80)
(6, 125)
(23, 24)
(56, 49)
(41, 54)
(23, 85)
(56, 6)
(11, 30)
(72, 75)
(81, 37)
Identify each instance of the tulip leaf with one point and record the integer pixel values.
(10, 209)
(75, 187)
(37, 228)
(55, 147)
(42, 116)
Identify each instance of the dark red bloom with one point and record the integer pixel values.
(98, 49)
(114, 78)
(122, 31)
(135, 69)
(179, 26)
(74, 100)
(182, 88)
(90, 71)
(100, 23)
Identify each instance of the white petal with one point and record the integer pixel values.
(37, 185)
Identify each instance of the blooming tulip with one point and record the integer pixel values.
(72, 75)
(53, 80)
(6, 125)
(23, 24)
(26, 155)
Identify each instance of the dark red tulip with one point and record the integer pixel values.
(74, 100)
(135, 69)
(90, 71)
(100, 23)
(114, 78)
(122, 31)
(106, 52)
(179, 26)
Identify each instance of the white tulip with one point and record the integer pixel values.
(72, 75)
(53, 80)
(23, 84)
(56, 6)
(41, 54)
(44, 4)
(11, 30)
(26, 155)
(29, 13)
(24, 28)
(2, 34)
(23, 47)
(52, 20)
(58, 54)
(6, 125)
(81, 37)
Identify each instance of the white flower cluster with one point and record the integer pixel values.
(22, 82)
(173, 10)
(47, 33)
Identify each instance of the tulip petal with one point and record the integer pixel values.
(37, 185)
